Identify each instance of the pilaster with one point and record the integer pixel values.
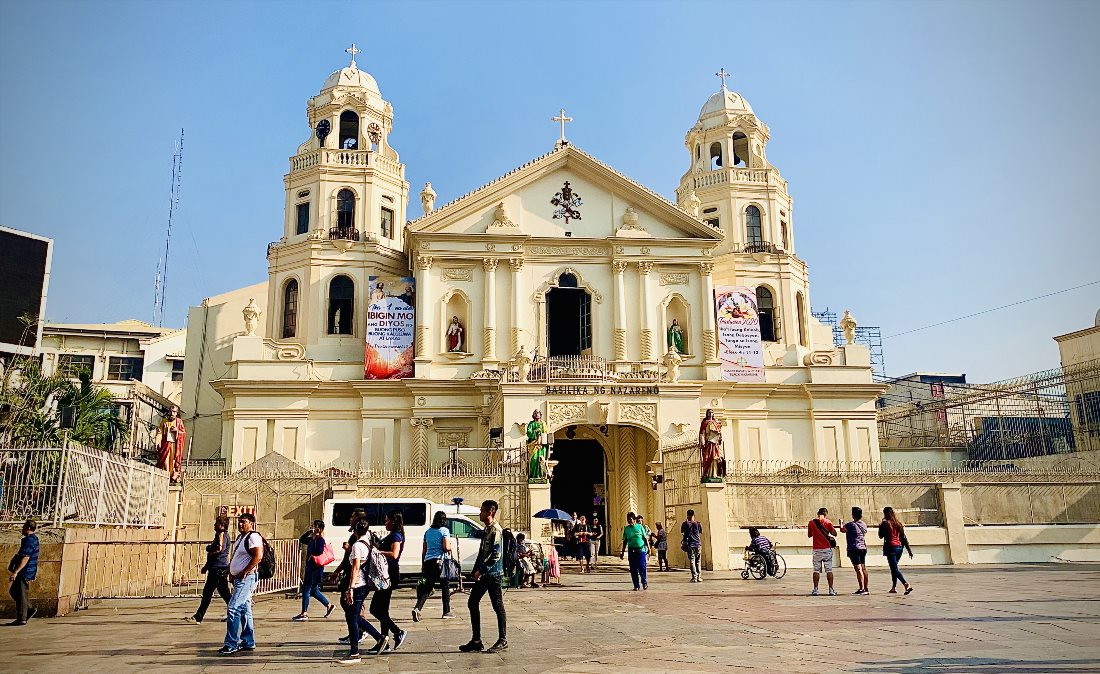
(489, 338)
(951, 506)
(424, 310)
(420, 441)
(646, 345)
(516, 264)
(712, 514)
(619, 335)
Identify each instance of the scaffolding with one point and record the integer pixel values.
(869, 336)
(1044, 413)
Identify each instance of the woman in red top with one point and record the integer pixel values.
(892, 533)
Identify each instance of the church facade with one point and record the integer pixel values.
(563, 286)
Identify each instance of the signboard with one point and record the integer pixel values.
(738, 323)
(233, 511)
(25, 261)
(391, 323)
(613, 389)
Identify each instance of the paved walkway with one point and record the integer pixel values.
(1020, 618)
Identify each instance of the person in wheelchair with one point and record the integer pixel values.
(760, 545)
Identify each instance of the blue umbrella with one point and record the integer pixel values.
(553, 514)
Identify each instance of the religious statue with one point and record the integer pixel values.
(427, 198)
(536, 447)
(523, 363)
(848, 325)
(171, 441)
(455, 334)
(676, 336)
(693, 204)
(671, 360)
(251, 315)
(710, 446)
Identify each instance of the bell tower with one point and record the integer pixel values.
(731, 186)
(346, 183)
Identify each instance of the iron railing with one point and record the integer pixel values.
(81, 485)
(343, 233)
(759, 247)
(586, 369)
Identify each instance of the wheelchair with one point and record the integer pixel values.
(756, 565)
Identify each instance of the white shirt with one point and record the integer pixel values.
(242, 555)
(360, 551)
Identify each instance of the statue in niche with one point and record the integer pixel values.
(251, 315)
(676, 336)
(427, 198)
(523, 363)
(693, 204)
(710, 446)
(848, 325)
(536, 448)
(455, 334)
(671, 360)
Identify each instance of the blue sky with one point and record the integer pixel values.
(942, 156)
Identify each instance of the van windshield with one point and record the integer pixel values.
(415, 514)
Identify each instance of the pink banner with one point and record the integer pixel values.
(738, 321)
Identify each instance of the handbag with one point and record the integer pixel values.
(830, 538)
(325, 558)
(449, 568)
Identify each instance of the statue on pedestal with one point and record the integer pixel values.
(848, 325)
(693, 204)
(536, 448)
(710, 446)
(251, 315)
(171, 443)
(427, 198)
(523, 363)
(676, 336)
(455, 336)
(671, 360)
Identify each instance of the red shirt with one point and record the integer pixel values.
(820, 542)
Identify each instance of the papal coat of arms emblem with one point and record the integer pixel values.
(568, 204)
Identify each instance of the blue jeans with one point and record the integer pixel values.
(637, 568)
(893, 556)
(238, 614)
(353, 614)
(312, 588)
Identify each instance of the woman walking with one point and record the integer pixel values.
(317, 550)
(892, 533)
(437, 547)
(391, 547)
(216, 569)
(634, 541)
(660, 542)
(355, 594)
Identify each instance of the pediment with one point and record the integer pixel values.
(535, 201)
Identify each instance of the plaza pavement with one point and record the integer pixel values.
(1019, 618)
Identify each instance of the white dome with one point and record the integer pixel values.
(722, 102)
(351, 76)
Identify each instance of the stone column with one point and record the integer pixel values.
(626, 465)
(423, 307)
(712, 515)
(951, 509)
(646, 352)
(489, 346)
(619, 335)
(538, 498)
(517, 303)
(710, 353)
(420, 442)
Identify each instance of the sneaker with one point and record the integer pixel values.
(814, 592)
(379, 647)
(400, 639)
(449, 616)
(227, 650)
(347, 639)
(645, 587)
(416, 615)
(192, 620)
(16, 623)
(31, 612)
(908, 589)
(474, 645)
(859, 591)
(248, 648)
(500, 645)
(832, 592)
(329, 610)
(300, 618)
(350, 659)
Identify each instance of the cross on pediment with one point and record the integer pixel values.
(722, 75)
(561, 119)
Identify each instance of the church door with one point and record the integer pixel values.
(568, 321)
(578, 485)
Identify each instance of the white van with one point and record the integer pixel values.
(418, 513)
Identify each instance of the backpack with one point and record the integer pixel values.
(376, 570)
(266, 569)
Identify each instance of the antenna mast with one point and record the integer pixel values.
(160, 283)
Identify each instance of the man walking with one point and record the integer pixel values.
(488, 569)
(822, 531)
(594, 539)
(692, 532)
(24, 569)
(855, 533)
(248, 550)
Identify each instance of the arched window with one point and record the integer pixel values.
(740, 149)
(567, 280)
(765, 306)
(349, 130)
(345, 210)
(800, 308)
(715, 156)
(290, 309)
(341, 305)
(783, 236)
(754, 233)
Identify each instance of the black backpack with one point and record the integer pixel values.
(266, 569)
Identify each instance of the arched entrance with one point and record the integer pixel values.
(568, 318)
(580, 476)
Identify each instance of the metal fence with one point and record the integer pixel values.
(81, 485)
(170, 570)
(782, 506)
(1045, 503)
(795, 472)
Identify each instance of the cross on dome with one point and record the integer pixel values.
(722, 75)
(562, 119)
(353, 51)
